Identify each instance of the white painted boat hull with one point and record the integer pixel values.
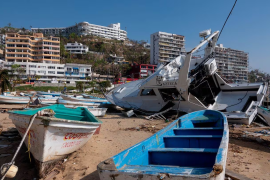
(56, 138)
(24, 100)
(265, 114)
(69, 98)
(98, 112)
(76, 103)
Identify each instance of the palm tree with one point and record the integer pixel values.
(4, 80)
(79, 86)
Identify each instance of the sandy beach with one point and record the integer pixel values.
(118, 133)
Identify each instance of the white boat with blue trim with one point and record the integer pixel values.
(81, 98)
(25, 99)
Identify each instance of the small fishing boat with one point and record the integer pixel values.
(192, 147)
(81, 103)
(53, 94)
(25, 99)
(98, 112)
(264, 113)
(56, 134)
(86, 96)
(75, 98)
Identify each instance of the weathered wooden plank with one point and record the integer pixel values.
(235, 176)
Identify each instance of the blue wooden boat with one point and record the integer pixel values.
(193, 147)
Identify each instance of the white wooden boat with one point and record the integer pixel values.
(98, 112)
(53, 94)
(80, 103)
(25, 99)
(75, 98)
(53, 138)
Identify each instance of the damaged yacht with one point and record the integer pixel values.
(187, 84)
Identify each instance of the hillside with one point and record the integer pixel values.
(101, 52)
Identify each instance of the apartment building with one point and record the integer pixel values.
(68, 72)
(232, 64)
(76, 48)
(164, 47)
(32, 48)
(112, 31)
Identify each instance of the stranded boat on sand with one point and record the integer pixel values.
(193, 147)
(55, 136)
(80, 98)
(94, 110)
(187, 85)
(25, 99)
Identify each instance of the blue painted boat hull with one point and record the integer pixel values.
(193, 147)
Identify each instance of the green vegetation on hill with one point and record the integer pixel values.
(100, 53)
(256, 75)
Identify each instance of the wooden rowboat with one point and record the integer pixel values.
(25, 99)
(193, 147)
(98, 112)
(73, 98)
(53, 138)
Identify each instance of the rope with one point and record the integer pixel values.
(29, 146)
(227, 19)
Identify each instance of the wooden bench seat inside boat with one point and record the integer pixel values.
(183, 157)
(192, 141)
(166, 169)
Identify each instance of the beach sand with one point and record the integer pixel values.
(118, 133)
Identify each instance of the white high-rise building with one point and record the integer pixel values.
(76, 48)
(232, 64)
(48, 72)
(165, 47)
(112, 31)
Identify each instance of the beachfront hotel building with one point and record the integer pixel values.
(53, 73)
(32, 48)
(164, 47)
(76, 48)
(232, 64)
(112, 31)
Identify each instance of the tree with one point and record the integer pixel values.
(37, 77)
(92, 85)
(23, 30)
(4, 79)
(9, 24)
(104, 85)
(79, 86)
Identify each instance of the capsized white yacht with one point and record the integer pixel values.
(187, 85)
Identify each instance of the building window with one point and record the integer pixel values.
(148, 92)
(60, 67)
(51, 72)
(60, 72)
(51, 67)
(32, 66)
